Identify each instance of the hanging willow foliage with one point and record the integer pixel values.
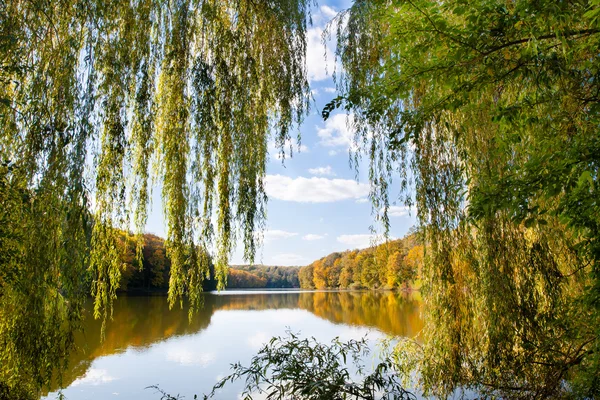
(99, 101)
(489, 111)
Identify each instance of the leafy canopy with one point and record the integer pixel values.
(99, 102)
(489, 112)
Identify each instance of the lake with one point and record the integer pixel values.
(148, 344)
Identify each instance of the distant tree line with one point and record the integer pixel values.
(393, 265)
(396, 264)
(268, 276)
(150, 272)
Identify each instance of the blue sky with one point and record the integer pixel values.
(316, 206)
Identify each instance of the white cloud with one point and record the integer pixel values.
(287, 259)
(275, 234)
(317, 55)
(355, 241)
(323, 15)
(329, 89)
(94, 377)
(332, 152)
(362, 200)
(312, 236)
(361, 241)
(397, 211)
(336, 132)
(314, 190)
(328, 12)
(323, 171)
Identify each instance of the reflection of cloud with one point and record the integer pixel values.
(292, 317)
(354, 333)
(94, 377)
(255, 396)
(185, 356)
(257, 340)
(357, 333)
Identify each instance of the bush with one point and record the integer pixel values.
(292, 368)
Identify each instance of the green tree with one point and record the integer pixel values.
(320, 276)
(305, 276)
(97, 97)
(489, 112)
(394, 266)
(158, 263)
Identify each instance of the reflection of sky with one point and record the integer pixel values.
(94, 377)
(191, 364)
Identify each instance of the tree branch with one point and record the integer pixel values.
(543, 37)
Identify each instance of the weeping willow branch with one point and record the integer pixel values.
(101, 102)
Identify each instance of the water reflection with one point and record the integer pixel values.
(142, 325)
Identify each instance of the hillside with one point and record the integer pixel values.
(153, 273)
(396, 264)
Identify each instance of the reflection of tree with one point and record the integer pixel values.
(390, 312)
(142, 321)
(256, 301)
(137, 322)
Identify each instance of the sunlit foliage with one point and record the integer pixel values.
(488, 111)
(391, 265)
(99, 102)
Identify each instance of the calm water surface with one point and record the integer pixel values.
(148, 344)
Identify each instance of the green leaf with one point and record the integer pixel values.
(586, 176)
